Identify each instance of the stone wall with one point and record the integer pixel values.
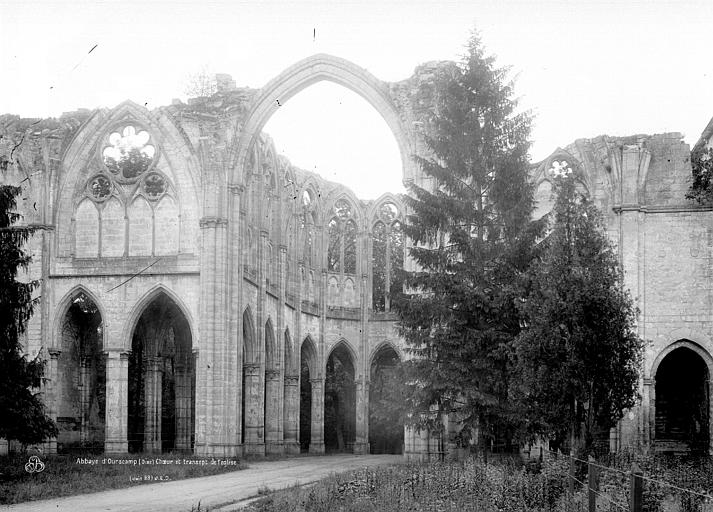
(232, 233)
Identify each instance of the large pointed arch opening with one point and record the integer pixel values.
(340, 400)
(300, 76)
(308, 374)
(386, 429)
(80, 391)
(161, 412)
(682, 405)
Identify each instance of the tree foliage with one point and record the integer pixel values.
(22, 413)
(577, 362)
(471, 237)
(701, 173)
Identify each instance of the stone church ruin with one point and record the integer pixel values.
(200, 293)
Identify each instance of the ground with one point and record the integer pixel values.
(222, 492)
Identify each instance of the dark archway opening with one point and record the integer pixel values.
(339, 402)
(682, 403)
(81, 374)
(386, 430)
(305, 399)
(161, 381)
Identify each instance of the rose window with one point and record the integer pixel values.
(129, 154)
(100, 187)
(560, 169)
(154, 186)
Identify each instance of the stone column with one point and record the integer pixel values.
(253, 442)
(117, 402)
(85, 388)
(182, 379)
(316, 444)
(152, 405)
(292, 416)
(273, 442)
(53, 396)
(361, 443)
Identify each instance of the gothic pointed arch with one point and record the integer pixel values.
(146, 299)
(374, 212)
(166, 164)
(251, 352)
(271, 359)
(66, 302)
(305, 73)
(308, 351)
(346, 346)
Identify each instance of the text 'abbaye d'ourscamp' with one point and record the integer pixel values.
(141, 461)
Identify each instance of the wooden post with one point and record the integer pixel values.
(592, 484)
(636, 490)
(571, 472)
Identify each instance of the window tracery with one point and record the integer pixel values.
(129, 153)
(130, 195)
(342, 235)
(387, 257)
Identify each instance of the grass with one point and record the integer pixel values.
(459, 486)
(64, 475)
(504, 485)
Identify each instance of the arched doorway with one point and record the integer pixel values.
(386, 430)
(340, 401)
(161, 380)
(308, 360)
(81, 375)
(682, 420)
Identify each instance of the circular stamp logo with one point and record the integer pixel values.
(34, 465)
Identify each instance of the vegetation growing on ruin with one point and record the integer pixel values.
(23, 416)
(471, 240)
(577, 360)
(702, 171)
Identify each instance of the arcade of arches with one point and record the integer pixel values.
(199, 292)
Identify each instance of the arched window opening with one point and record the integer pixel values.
(340, 402)
(334, 248)
(386, 428)
(342, 233)
(81, 373)
(396, 263)
(387, 258)
(682, 403)
(379, 267)
(307, 223)
(161, 380)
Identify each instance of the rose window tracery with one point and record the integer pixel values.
(154, 186)
(100, 187)
(129, 153)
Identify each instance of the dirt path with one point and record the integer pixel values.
(210, 491)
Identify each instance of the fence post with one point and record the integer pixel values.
(540, 454)
(571, 472)
(592, 484)
(636, 490)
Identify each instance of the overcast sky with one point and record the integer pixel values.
(585, 67)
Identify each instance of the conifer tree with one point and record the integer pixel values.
(471, 237)
(577, 362)
(22, 413)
